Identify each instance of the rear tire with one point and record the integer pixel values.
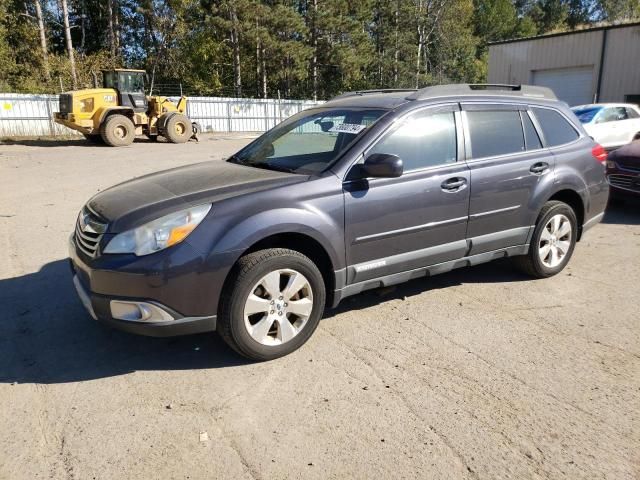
(118, 131)
(553, 241)
(272, 303)
(178, 128)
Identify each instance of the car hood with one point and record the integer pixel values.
(135, 202)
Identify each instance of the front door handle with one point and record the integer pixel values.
(539, 168)
(454, 184)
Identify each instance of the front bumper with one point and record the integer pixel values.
(162, 321)
(624, 182)
(69, 120)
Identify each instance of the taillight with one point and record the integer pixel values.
(599, 153)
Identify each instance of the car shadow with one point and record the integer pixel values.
(623, 211)
(498, 271)
(47, 337)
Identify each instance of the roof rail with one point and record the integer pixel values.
(367, 92)
(482, 89)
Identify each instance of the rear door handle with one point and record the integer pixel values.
(539, 168)
(454, 184)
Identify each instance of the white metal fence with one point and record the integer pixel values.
(25, 115)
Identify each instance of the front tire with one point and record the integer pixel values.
(272, 304)
(553, 242)
(178, 128)
(118, 131)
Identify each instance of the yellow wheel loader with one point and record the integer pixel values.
(120, 110)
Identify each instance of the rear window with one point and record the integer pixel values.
(631, 113)
(556, 129)
(494, 133)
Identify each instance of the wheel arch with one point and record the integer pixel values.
(104, 113)
(575, 201)
(301, 242)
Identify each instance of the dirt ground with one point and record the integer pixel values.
(481, 373)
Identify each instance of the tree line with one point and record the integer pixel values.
(267, 48)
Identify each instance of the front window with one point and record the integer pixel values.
(587, 114)
(310, 141)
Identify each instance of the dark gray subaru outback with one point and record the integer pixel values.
(370, 189)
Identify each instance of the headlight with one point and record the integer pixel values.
(158, 234)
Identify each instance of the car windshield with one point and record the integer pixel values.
(586, 114)
(310, 141)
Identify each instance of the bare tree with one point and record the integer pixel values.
(314, 46)
(112, 31)
(69, 43)
(235, 44)
(396, 53)
(43, 40)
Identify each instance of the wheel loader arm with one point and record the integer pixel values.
(182, 104)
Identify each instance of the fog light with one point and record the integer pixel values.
(139, 312)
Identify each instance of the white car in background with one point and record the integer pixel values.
(610, 124)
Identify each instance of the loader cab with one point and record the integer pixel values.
(130, 87)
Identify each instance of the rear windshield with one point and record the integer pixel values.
(585, 115)
(310, 141)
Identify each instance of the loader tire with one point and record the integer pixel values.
(178, 128)
(118, 131)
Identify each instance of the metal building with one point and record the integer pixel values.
(593, 65)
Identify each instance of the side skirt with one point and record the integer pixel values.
(429, 271)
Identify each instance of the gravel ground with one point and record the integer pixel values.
(479, 373)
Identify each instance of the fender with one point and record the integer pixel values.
(568, 179)
(102, 113)
(310, 222)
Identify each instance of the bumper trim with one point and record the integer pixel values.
(169, 328)
(84, 297)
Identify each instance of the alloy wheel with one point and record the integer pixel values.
(555, 241)
(278, 307)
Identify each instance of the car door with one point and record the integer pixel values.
(420, 218)
(507, 162)
(633, 131)
(609, 127)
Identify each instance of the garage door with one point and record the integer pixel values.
(573, 85)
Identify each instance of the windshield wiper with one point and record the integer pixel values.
(270, 166)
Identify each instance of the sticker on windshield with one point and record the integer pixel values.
(348, 128)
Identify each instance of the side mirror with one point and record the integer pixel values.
(383, 165)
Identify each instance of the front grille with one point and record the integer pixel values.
(65, 103)
(89, 230)
(627, 182)
(630, 164)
